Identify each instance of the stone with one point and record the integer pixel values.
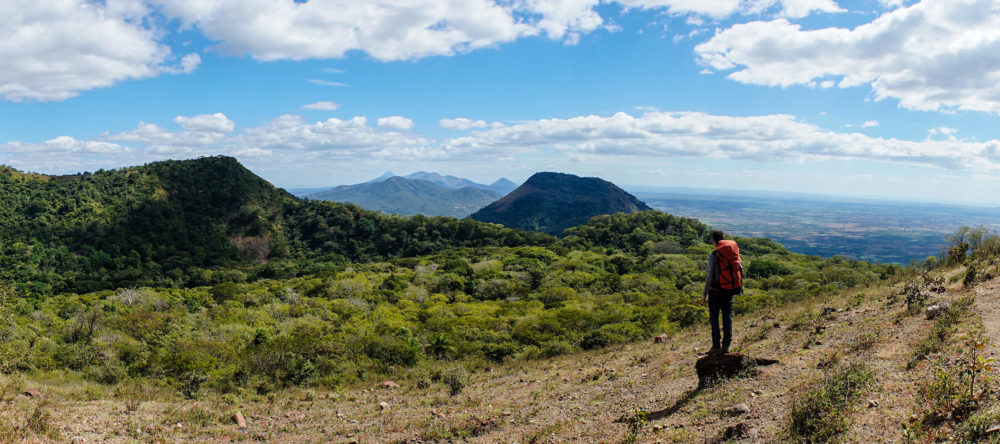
(993, 429)
(873, 403)
(383, 405)
(661, 339)
(77, 440)
(737, 431)
(33, 393)
(239, 420)
(737, 409)
(726, 365)
(389, 385)
(937, 310)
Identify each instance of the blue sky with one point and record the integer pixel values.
(872, 98)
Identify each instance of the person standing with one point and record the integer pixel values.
(723, 282)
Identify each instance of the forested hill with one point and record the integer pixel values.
(551, 202)
(196, 222)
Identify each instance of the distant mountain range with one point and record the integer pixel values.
(400, 195)
(502, 186)
(552, 202)
(430, 194)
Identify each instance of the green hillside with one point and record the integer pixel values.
(196, 222)
(399, 195)
(552, 202)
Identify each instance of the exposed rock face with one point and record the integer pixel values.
(661, 339)
(727, 365)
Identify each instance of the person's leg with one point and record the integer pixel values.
(726, 306)
(713, 317)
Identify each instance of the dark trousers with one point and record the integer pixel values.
(721, 301)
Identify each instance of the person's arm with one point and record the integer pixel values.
(709, 276)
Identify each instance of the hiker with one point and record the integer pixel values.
(723, 282)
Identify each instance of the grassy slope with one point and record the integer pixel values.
(579, 397)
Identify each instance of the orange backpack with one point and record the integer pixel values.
(727, 253)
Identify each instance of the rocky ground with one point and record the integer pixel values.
(640, 392)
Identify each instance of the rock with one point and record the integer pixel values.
(873, 403)
(239, 420)
(938, 309)
(993, 429)
(389, 385)
(737, 431)
(33, 393)
(77, 440)
(737, 409)
(383, 405)
(726, 365)
(661, 339)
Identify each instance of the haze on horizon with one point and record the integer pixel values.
(887, 99)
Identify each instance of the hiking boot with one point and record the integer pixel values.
(714, 352)
(725, 351)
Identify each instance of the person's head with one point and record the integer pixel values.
(717, 236)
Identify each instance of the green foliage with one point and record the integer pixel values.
(821, 413)
(971, 274)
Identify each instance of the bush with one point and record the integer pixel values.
(456, 378)
(685, 315)
(391, 350)
(611, 334)
(820, 414)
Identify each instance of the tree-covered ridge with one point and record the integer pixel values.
(196, 222)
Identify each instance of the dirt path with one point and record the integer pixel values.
(988, 308)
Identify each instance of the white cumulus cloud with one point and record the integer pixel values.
(322, 106)
(54, 49)
(211, 123)
(395, 123)
(932, 55)
(462, 123)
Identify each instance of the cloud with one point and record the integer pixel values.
(290, 141)
(327, 83)
(322, 106)
(395, 123)
(388, 30)
(942, 130)
(462, 123)
(933, 55)
(55, 49)
(336, 138)
(766, 138)
(802, 8)
(869, 124)
(210, 123)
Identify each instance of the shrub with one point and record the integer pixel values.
(610, 334)
(970, 276)
(456, 378)
(820, 414)
(685, 315)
